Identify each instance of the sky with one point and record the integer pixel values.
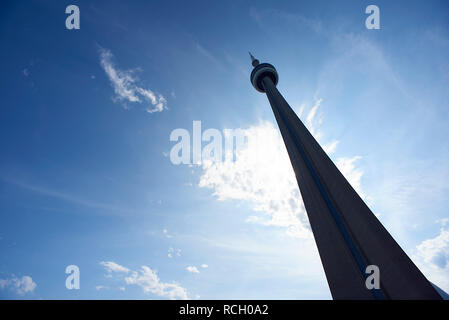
(86, 172)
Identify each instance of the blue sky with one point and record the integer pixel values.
(85, 173)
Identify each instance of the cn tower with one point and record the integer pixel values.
(349, 237)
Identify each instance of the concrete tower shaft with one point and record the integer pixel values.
(348, 235)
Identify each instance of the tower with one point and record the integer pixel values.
(348, 235)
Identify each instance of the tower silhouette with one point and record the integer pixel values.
(348, 235)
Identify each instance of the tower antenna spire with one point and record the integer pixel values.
(254, 61)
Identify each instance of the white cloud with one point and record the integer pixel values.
(331, 146)
(165, 232)
(111, 266)
(172, 252)
(192, 269)
(432, 256)
(126, 88)
(98, 288)
(351, 173)
(19, 285)
(443, 221)
(273, 193)
(204, 266)
(148, 280)
(310, 119)
(436, 250)
(313, 120)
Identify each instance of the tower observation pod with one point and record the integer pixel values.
(360, 258)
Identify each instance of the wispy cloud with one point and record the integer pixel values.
(20, 286)
(100, 287)
(126, 87)
(416, 192)
(204, 52)
(351, 172)
(293, 20)
(166, 234)
(313, 121)
(69, 197)
(288, 259)
(111, 266)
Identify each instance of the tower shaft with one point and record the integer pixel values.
(348, 235)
